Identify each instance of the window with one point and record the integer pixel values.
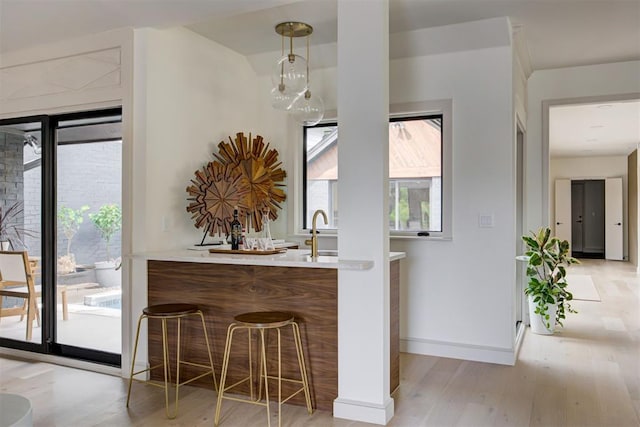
(415, 174)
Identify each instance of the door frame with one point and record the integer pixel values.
(546, 105)
(615, 222)
(566, 230)
(521, 306)
(624, 213)
(47, 328)
(49, 344)
(547, 190)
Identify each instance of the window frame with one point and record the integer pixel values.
(398, 112)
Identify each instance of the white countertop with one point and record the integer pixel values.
(290, 258)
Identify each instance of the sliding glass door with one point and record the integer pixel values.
(21, 230)
(89, 171)
(72, 180)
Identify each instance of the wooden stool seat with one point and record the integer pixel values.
(169, 310)
(166, 312)
(265, 319)
(262, 321)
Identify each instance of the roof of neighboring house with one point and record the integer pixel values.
(415, 151)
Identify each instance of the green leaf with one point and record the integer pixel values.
(108, 221)
(549, 257)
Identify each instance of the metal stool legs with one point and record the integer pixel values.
(263, 374)
(171, 414)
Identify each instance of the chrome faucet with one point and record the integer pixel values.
(314, 232)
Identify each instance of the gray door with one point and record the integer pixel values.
(587, 218)
(594, 217)
(577, 209)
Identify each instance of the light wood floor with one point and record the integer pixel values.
(588, 374)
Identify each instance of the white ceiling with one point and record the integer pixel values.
(558, 33)
(25, 23)
(600, 129)
(555, 34)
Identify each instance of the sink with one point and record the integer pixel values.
(326, 253)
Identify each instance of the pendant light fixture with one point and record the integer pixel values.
(290, 78)
(306, 109)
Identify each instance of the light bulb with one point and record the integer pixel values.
(308, 110)
(290, 75)
(280, 100)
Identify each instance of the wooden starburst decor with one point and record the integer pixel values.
(214, 192)
(246, 174)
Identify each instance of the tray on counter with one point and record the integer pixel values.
(247, 252)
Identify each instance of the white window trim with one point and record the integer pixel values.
(399, 110)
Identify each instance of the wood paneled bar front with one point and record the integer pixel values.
(224, 286)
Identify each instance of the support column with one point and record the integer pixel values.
(363, 205)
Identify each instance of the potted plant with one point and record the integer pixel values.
(9, 229)
(546, 289)
(70, 221)
(108, 220)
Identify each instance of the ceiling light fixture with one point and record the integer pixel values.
(290, 78)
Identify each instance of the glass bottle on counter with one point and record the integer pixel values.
(267, 241)
(236, 231)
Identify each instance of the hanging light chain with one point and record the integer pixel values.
(307, 94)
(281, 85)
(292, 56)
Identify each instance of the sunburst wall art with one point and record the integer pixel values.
(246, 174)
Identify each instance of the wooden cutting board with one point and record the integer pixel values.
(247, 252)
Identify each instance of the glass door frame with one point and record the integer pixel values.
(49, 345)
(46, 233)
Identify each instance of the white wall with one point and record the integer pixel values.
(566, 85)
(197, 94)
(278, 128)
(591, 168)
(190, 94)
(80, 74)
(457, 296)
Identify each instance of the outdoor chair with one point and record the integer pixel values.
(17, 273)
(16, 280)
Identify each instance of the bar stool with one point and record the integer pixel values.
(262, 321)
(166, 312)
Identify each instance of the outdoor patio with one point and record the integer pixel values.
(95, 326)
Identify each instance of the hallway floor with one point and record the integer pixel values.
(587, 374)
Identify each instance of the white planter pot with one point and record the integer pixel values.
(538, 324)
(4, 246)
(107, 275)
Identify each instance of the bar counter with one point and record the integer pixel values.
(290, 258)
(224, 285)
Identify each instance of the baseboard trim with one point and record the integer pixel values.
(477, 353)
(62, 361)
(363, 411)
